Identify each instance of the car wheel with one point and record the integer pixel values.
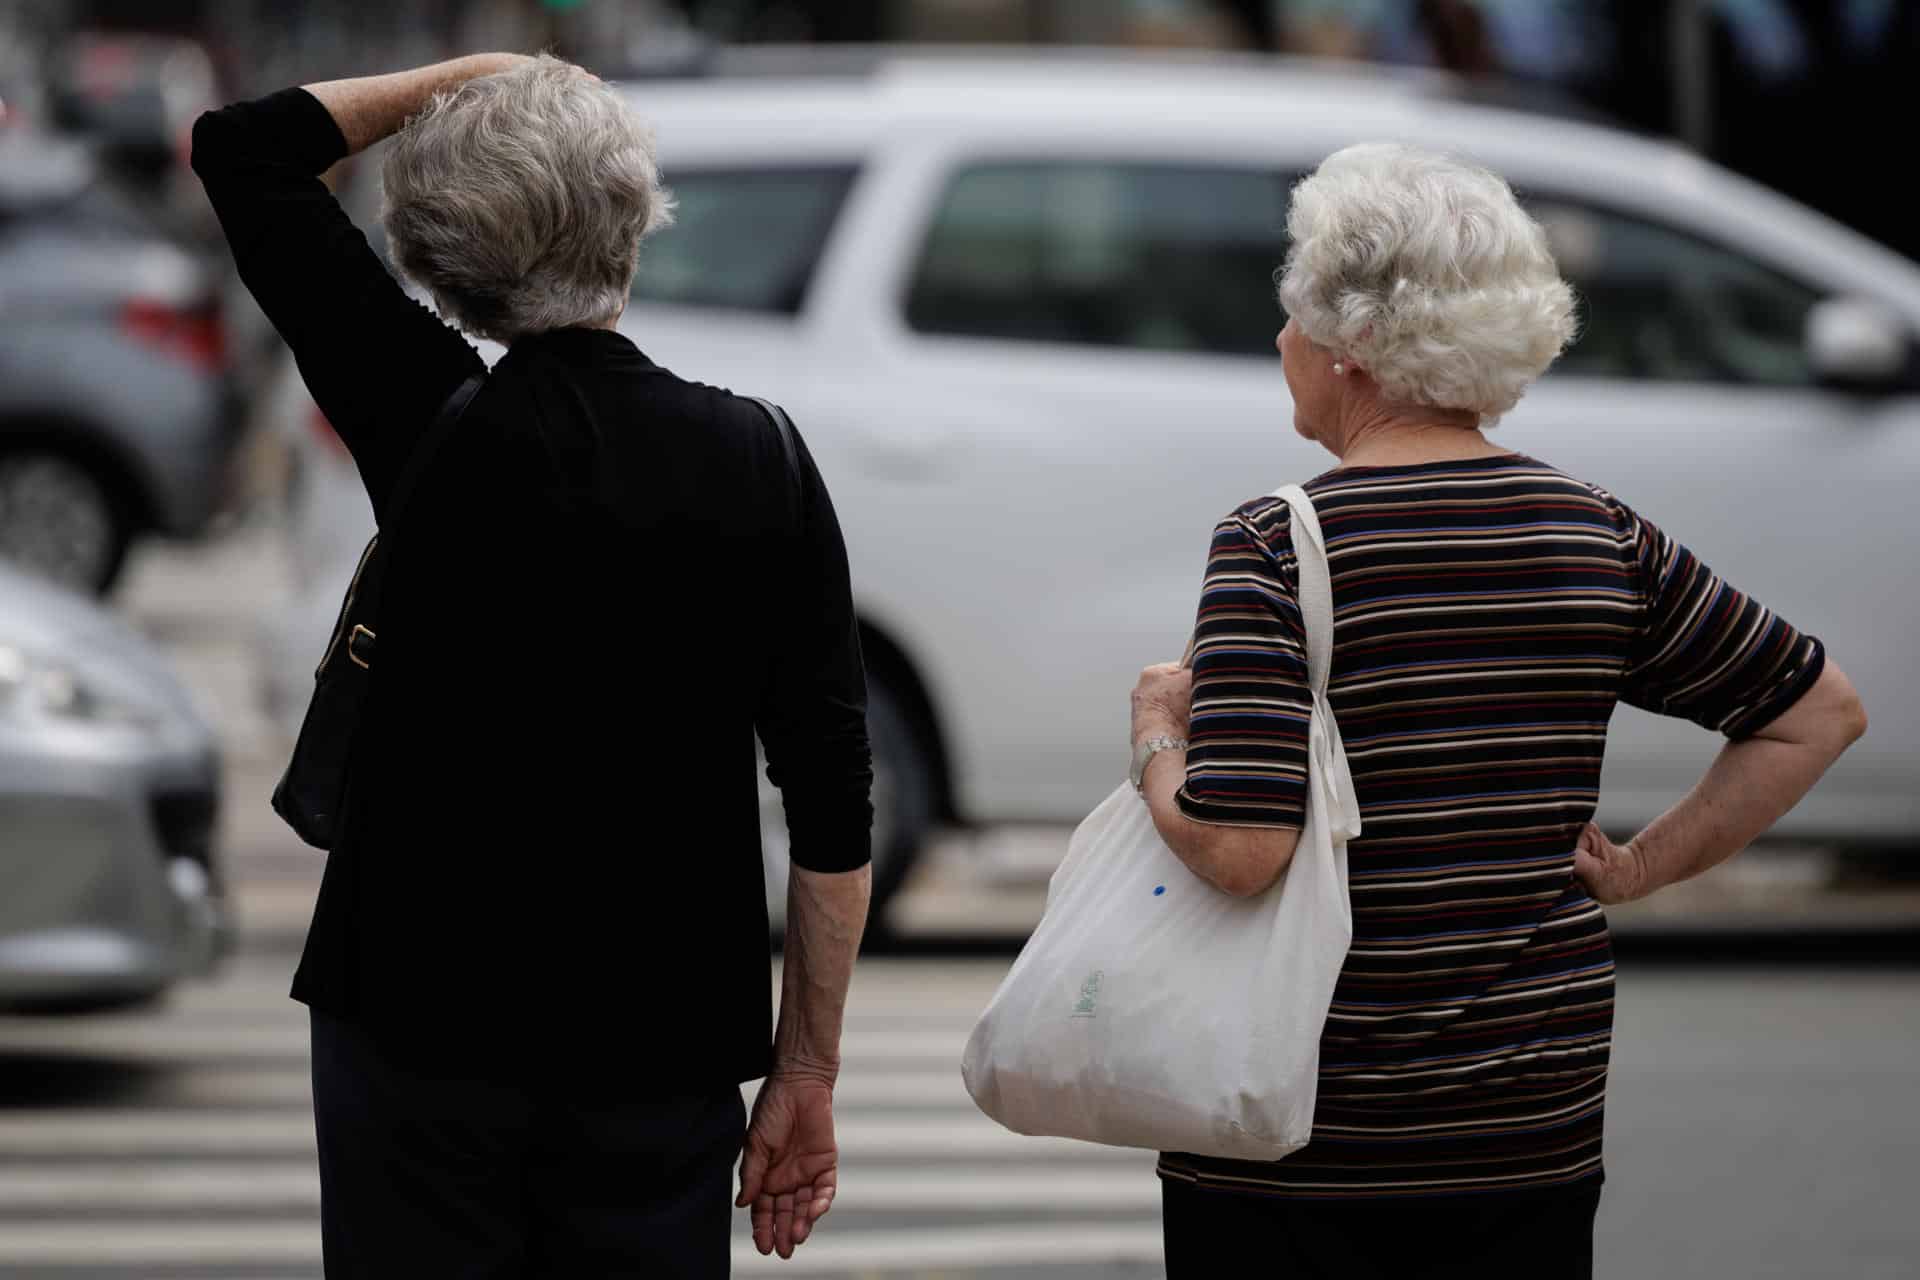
(59, 519)
(902, 806)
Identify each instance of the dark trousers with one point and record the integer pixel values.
(1518, 1235)
(427, 1173)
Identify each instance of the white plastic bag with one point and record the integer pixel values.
(1149, 1009)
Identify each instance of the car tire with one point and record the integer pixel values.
(903, 805)
(62, 519)
(903, 793)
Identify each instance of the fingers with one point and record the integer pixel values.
(1597, 874)
(823, 1193)
(810, 1204)
(753, 1173)
(762, 1218)
(1160, 672)
(783, 1225)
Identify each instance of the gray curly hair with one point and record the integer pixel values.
(1428, 272)
(519, 200)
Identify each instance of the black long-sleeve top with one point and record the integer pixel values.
(602, 587)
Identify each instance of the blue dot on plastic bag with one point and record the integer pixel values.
(1159, 889)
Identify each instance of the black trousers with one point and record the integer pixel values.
(1519, 1235)
(426, 1173)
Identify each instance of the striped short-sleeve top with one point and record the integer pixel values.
(1488, 616)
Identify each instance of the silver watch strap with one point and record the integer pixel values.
(1144, 753)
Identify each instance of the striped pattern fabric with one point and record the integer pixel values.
(1488, 616)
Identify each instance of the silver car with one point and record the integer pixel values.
(109, 784)
(117, 414)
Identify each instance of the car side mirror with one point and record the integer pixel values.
(1855, 342)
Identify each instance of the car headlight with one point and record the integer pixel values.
(32, 686)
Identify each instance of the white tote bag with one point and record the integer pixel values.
(1149, 1009)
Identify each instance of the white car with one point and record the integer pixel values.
(1022, 310)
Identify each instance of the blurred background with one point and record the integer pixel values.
(1009, 263)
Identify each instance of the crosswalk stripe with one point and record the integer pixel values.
(1083, 1243)
(160, 1243)
(221, 1087)
(152, 1186)
(285, 1243)
(212, 1188)
(134, 1131)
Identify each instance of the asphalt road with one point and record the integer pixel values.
(1761, 1124)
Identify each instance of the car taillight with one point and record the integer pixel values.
(194, 334)
(323, 432)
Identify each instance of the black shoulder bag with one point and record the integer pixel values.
(313, 790)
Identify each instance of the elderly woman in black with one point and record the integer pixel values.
(1490, 611)
(610, 578)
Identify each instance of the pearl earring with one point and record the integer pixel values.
(1339, 370)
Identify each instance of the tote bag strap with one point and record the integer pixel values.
(1329, 780)
(1316, 588)
(1316, 584)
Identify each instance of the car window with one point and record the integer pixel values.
(1663, 304)
(746, 239)
(1160, 257)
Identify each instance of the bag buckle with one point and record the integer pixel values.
(360, 646)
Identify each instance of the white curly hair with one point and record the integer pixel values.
(1427, 273)
(519, 200)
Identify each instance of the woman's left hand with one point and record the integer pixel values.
(1161, 701)
(1613, 873)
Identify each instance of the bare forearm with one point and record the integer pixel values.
(1752, 783)
(826, 915)
(1158, 786)
(1242, 861)
(369, 108)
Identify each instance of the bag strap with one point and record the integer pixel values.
(430, 442)
(1316, 588)
(784, 425)
(1316, 584)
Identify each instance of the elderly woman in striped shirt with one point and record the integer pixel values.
(1491, 611)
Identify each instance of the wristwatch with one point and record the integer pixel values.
(1146, 751)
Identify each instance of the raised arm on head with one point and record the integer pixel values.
(378, 363)
(369, 108)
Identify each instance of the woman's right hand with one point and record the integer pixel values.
(1613, 873)
(1162, 701)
